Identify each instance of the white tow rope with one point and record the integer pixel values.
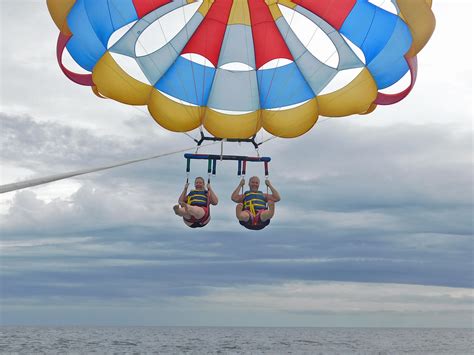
(47, 179)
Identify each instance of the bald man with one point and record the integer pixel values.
(255, 208)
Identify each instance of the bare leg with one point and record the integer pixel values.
(241, 215)
(182, 210)
(195, 211)
(268, 214)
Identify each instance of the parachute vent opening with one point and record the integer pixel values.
(175, 99)
(342, 79)
(70, 64)
(276, 63)
(236, 66)
(357, 51)
(198, 59)
(131, 67)
(386, 5)
(287, 107)
(399, 86)
(312, 37)
(232, 113)
(118, 34)
(161, 31)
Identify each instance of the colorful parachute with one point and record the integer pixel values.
(238, 66)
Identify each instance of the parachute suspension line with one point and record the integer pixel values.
(146, 114)
(188, 135)
(47, 179)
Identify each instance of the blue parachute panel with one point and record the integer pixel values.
(187, 81)
(383, 38)
(99, 18)
(282, 86)
(122, 13)
(84, 46)
(92, 24)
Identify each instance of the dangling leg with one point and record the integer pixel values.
(180, 211)
(268, 214)
(195, 211)
(241, 215)
(187, 211)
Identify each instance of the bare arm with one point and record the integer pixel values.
(213, 200)
(236, 196)
(183, 198)
(275, 195)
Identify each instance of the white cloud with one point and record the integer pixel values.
(341, 297)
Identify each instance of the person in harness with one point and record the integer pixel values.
(194, 207)
(255, 208)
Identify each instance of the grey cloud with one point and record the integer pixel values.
(342, 216)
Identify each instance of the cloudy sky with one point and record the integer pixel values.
(374, 227)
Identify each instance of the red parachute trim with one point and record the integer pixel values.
(267, 39)
(208, 38)
(81, 79)
(390, 99)
(333, 12)
(144, 7)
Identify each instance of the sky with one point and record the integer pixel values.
(374, 228)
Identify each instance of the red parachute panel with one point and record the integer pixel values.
(144, 7)
(207, 40)
(268, 42)
(333, 12)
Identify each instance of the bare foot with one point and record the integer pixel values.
(185, 206)
(176, 209)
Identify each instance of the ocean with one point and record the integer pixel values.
(230, 340)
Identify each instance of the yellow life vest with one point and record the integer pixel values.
(197, 198)
(254, 202)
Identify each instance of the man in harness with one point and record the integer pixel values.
(254, 208)
(194, 207)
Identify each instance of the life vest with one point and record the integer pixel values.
(255, 203)
(199, 198)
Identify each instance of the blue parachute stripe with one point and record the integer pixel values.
(122, 13)
(383, 38)
(100, 19)
(187, 81)
(387, 78)
(282, 86)
(92, 24)
(390, 57)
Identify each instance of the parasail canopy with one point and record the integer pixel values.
(235, 67)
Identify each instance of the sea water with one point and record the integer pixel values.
(228, 340)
